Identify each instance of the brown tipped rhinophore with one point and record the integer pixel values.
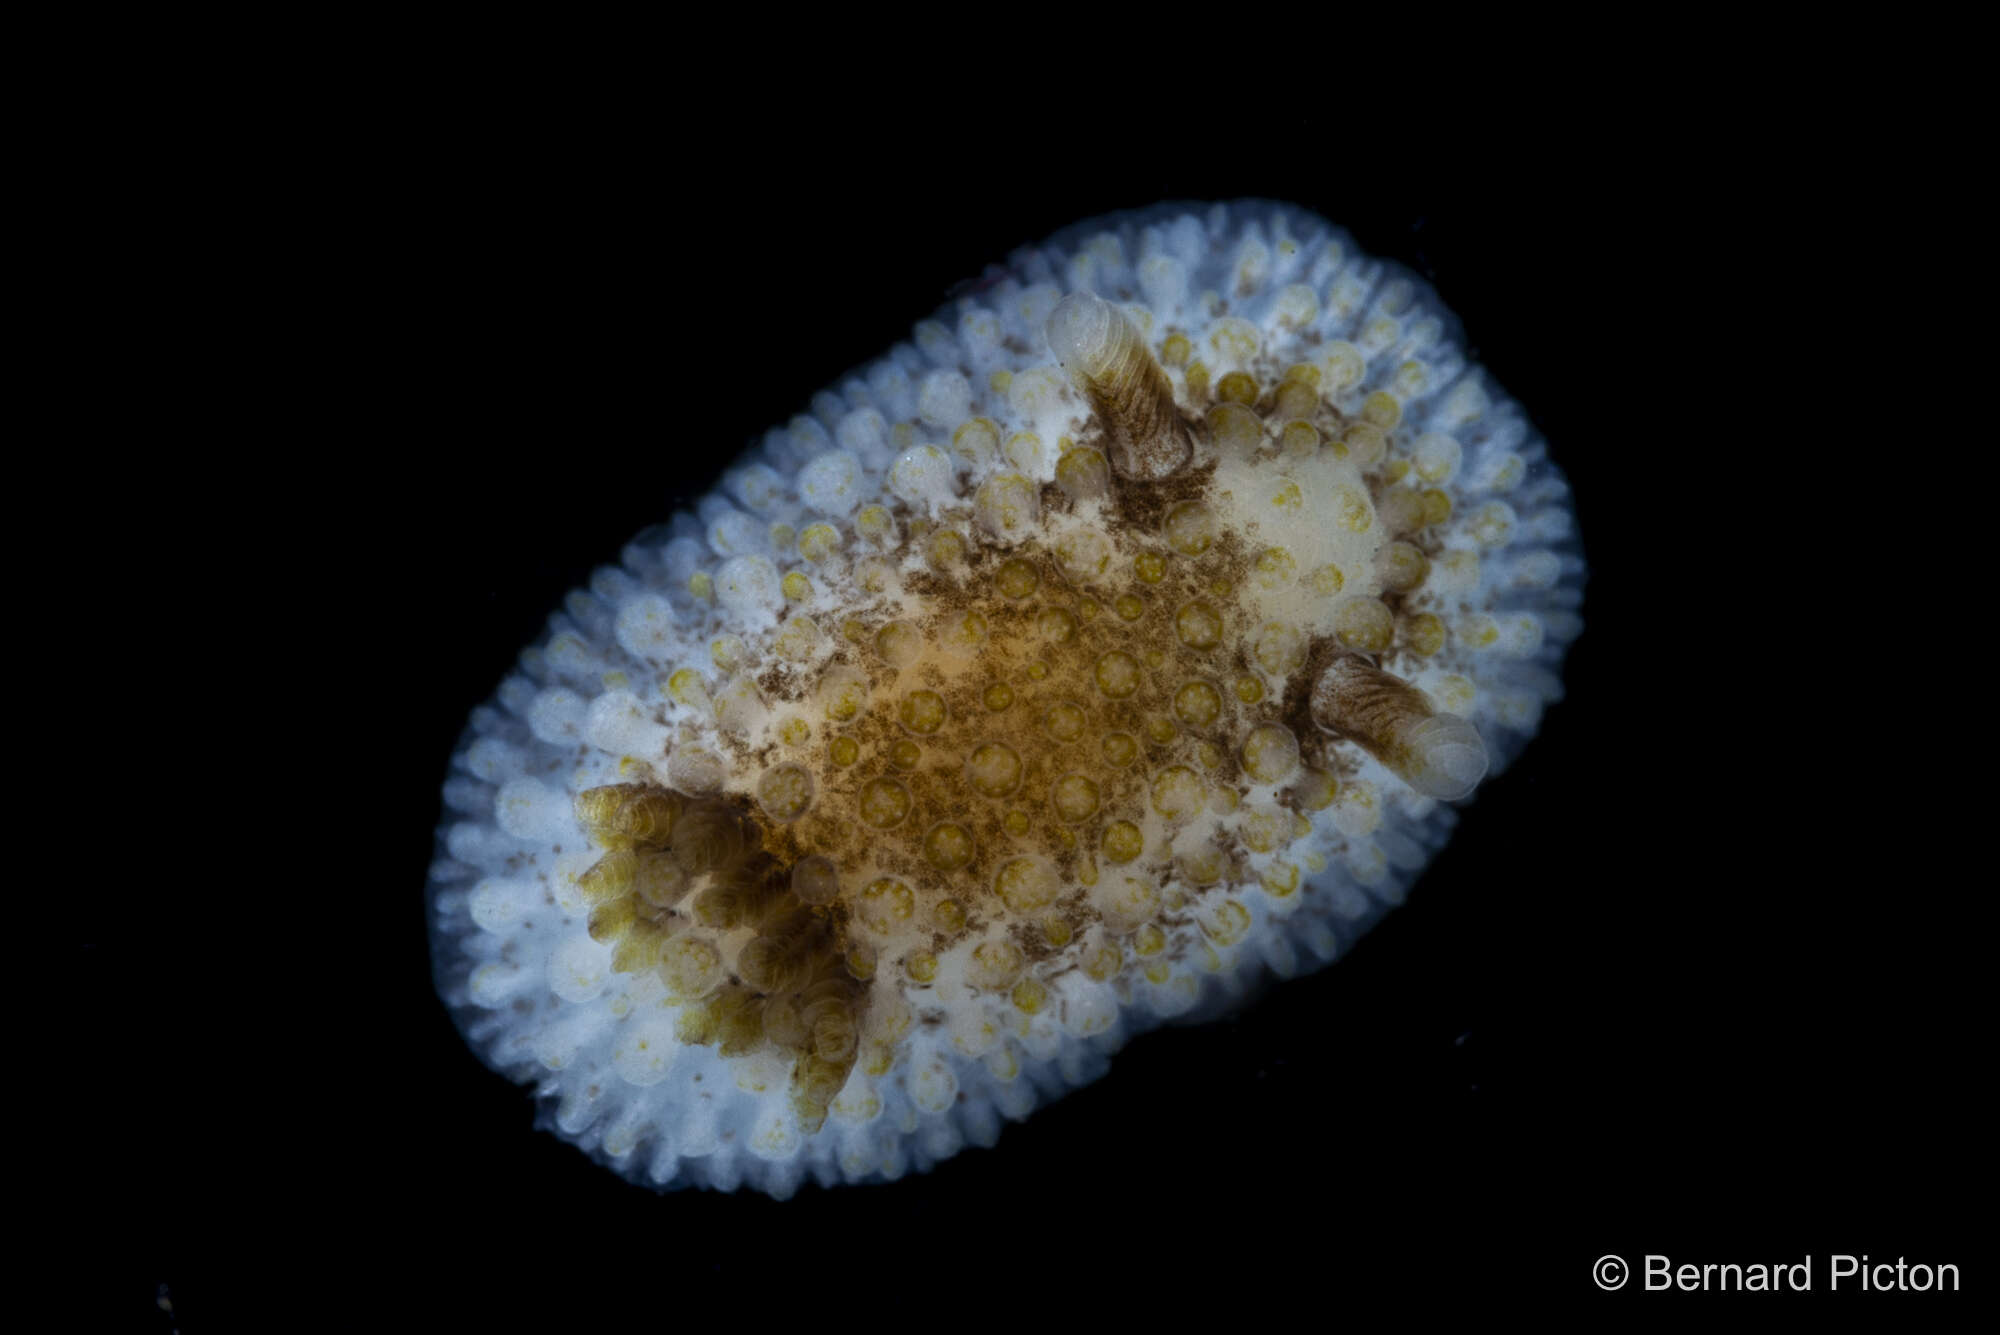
(1131, 395)
(1439, 755)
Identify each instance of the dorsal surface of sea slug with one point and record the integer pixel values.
(1118, 642)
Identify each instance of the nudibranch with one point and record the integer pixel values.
(1118, 642)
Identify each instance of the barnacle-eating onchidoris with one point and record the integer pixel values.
(1113, 642)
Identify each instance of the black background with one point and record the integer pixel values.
(1657, 994)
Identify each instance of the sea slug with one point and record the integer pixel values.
(1116, 643)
